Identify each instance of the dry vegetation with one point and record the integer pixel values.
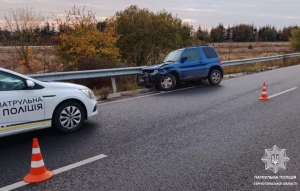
(257, 67)
(43, 60)
(238, 50)
(227, 51)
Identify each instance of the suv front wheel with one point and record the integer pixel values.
(167, 82)
(215, 77)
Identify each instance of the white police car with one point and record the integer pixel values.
(28, 104)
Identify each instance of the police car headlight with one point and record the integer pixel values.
(89, 93)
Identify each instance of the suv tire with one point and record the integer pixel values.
(167, 82)
(215, 77)
(66, 114)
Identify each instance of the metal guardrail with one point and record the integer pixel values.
(261, 59)
(86, 74)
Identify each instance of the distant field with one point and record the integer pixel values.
(236, 51)
(9, 59)
(227, 51)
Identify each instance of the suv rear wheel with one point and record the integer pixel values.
(167, 82)
(215, 77)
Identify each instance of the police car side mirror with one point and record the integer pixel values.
(30, 84)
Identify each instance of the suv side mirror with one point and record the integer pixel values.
(30, 84)
(183, 59)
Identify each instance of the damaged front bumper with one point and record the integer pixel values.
(148, 78)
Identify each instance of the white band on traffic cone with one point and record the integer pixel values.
(37, 164)
(36, 150)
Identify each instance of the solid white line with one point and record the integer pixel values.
(14, 186)
(225, 80)
(161, 92)
(283, 92)
(261, 73)
(57, 171)
(71, 166)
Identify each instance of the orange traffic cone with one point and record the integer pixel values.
(38, 171)
(264, 95)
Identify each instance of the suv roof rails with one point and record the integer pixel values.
(197, 46)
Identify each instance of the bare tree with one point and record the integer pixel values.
(24, 25)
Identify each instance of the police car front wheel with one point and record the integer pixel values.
(69, 117)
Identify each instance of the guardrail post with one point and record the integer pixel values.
(284, 60)
(113, 82)
(242, 68)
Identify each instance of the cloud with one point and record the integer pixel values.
(101, 18)
(60, 15)
(251, 5)
(189, 20)
(194, 10)
(279, 16)
(268, 15)
(291, 17)
(199, 10)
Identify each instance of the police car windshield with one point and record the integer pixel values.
(173, 56)
(4, 78)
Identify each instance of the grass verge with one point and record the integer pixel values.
(128, 88)
(260, 66)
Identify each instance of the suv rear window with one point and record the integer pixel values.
(210, 52)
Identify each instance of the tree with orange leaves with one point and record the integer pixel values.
(80, 39)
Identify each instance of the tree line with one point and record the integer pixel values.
(246, 33)
(44, 35)
(132, 37)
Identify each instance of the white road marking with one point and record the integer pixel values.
(260, 73)
(283, 92)
(225, 80)
(14, 186)
(161, 92)
(80, 163)
(57, 171)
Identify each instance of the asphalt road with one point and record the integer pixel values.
(201, 138)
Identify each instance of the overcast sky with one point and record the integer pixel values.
(206, 13)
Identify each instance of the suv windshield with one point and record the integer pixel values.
(173, 56)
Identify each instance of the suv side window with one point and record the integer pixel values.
(210, 52)
(9, 82)
(192, 54)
